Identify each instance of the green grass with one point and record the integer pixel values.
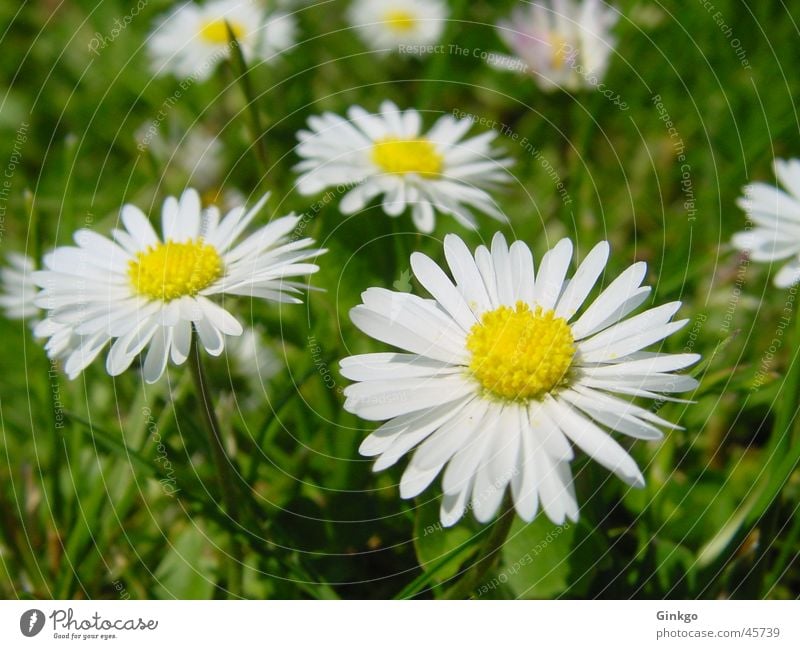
(96, 508)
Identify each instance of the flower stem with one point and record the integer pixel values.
(222, 463)
(783, 436)
(489, 554)
(242, 75)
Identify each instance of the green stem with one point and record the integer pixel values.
(489, 554)
(788, 551)
(242, 75)
(436, 70)
(221, 461)
(787, 406)
(778, 447)
(782, 459)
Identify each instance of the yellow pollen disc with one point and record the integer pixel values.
(396, 156)
(399, 21)
(171, 270)
(212, 196)
(559, 50)
(216, 32)
(519, 354)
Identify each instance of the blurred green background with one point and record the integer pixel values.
(118, 499)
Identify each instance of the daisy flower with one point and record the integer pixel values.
(564, 43)
(193, 154)
(18, 288)
(385, 154)
(408, 26)
(193, 38)
(776, 215)
(501, 375)
(18, 301)
(138, 291)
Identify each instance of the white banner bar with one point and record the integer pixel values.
(401, 625)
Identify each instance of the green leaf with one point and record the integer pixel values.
(673, 561)
(536, 558)
(432, 542)
(588, 555)
(185, 570)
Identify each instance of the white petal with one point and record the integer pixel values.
(502, 269)
(220, 318)
(138, 226)
(594, 442)
(788, 275)
(466, 274)
(156, 360)
(425, 424)
(210, 337)
(454, 505)
(524, 484)
(389, 399)
(440, 447)
(645, 321)
(583, 281)
(435, 280)
(522, 274)
(181, 341)
(552, 271)
(547, 434)
(415, 480)
(609, 301)
(391, 365)
(426, 420)
(433, 344)
(621, 348)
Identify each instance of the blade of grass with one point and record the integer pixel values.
(242, 76)
(782, 459)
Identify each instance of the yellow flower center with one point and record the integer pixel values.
(216, 32)
(171, 270)
(560, 49)
(212, 196)
(399, 20)
(396, 156)
(519, 354)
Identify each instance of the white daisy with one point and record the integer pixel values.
(563, 43)
(141, 291)
(776, 215)
(18, 288)
(407, 26)
(385, 154)
(501, 376)
(18, 300)
(194, 154)
(192, 39)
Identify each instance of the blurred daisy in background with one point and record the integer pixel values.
(563, 44)
(18, 288)
(776, 215)
(18, 293)
(192, 39)
(500, 376)
(191, 156)
(252, 363)
(141, 291)
(405, 26)
(194, 154)
(386, 154)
